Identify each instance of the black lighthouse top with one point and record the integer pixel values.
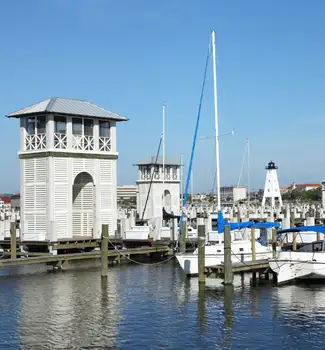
(271, 165)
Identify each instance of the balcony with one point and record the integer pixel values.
(35, 142)
(83, 143)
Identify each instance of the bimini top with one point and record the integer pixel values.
(240, 225)
(320, 228)
(68, 106)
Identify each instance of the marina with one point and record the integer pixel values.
(161, 181)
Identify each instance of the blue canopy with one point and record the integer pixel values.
(266, 224)
(320, 228)
(240, 225)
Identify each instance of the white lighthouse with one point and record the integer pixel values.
(271, 188)
(68, 169)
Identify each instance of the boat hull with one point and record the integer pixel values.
(290, 266)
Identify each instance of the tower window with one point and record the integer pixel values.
(31, 126)
(60, 125)
(41, 125)
(88, 127)
(77, 126)
(36, 125)
(104, 128)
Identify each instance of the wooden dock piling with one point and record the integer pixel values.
(183, 237)
(201, 253)
(104, 251)
(228, 275)
(13, 241)
(294, 241)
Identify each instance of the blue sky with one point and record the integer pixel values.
(133, 56)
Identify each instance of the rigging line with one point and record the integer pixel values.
(152, 175)
(214, 182)
(194, 143)
(242, 166)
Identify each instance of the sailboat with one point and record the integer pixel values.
(241, 249)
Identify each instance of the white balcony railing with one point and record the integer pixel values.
(79, 142)
(83, 143)
(60, 141)
(35, 142)
(105, 144)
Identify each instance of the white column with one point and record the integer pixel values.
(50, 132)
(69, 133)
(113, 137)
(23, 122)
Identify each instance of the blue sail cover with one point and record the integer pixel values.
(320, 229)
(240, 225)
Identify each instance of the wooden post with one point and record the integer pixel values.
(201, 253)
(228, 278)
(294, 241)
(183, 237)
(104, 251)
(273, 242)
(292, 219)
(254, 278)
(13, 244)
(253, 243)
(318, 236)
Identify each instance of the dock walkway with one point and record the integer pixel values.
(61, 258)
(246, 266)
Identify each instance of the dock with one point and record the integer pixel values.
(247, 266)
(60, 259)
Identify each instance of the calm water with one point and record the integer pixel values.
(154, 307)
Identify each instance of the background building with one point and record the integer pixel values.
(233, 193)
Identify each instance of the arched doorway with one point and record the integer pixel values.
(83, 205)
(167, 202)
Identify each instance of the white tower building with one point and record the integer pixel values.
(68, 169)
(164, 192)
(271, 188)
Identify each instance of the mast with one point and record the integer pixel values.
(181, 176)
(248, 176)
(215, 94)
(163, 151)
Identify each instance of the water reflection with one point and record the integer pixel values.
(67, 310)
(156, 307)
(202, 306)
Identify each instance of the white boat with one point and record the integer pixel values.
(137, 233)
(306, 263)
(214, 255)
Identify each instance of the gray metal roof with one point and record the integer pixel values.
(159, 161)
(67, 106)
